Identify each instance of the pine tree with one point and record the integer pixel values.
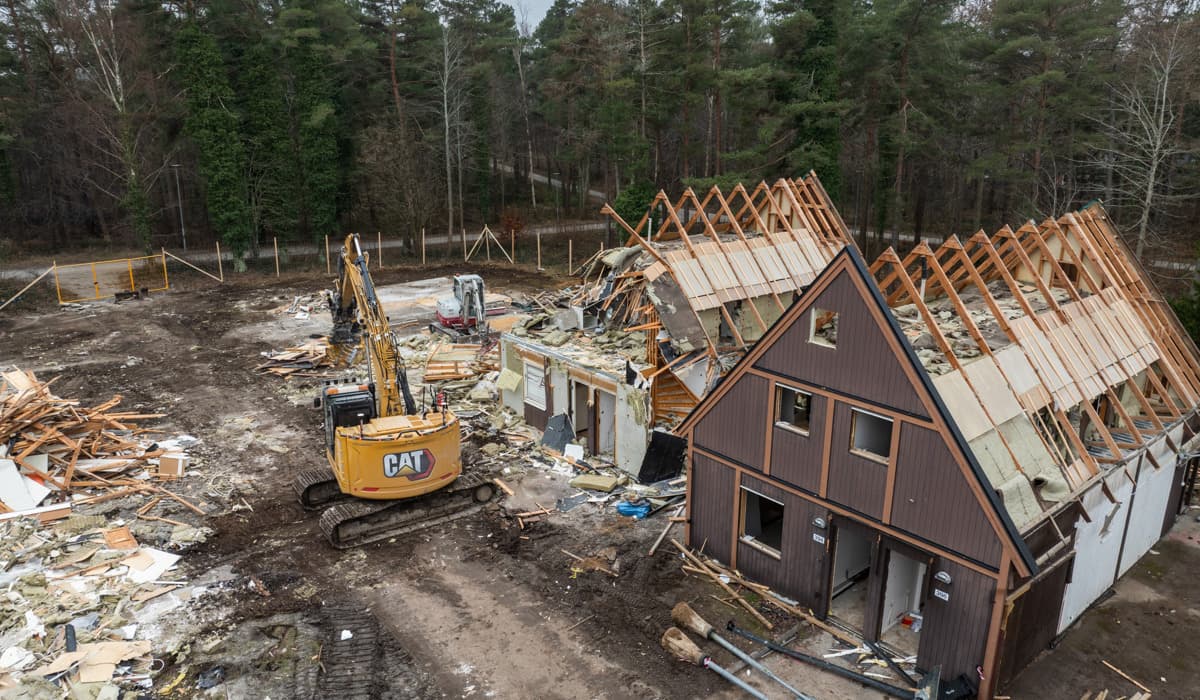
(213, 127)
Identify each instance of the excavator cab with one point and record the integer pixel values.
(345, 406)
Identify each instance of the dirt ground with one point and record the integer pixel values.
(477, 608)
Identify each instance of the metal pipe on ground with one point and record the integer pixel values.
(675, 641)
(689, 619)
(894, 691)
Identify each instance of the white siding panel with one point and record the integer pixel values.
(1149, 510)
(1097, 548)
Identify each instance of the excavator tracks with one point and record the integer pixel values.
(316, 487)
(349, 656)
(357, 522)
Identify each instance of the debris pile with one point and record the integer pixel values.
(77, 596)
(50, 447)
(456, 361)
(79, 589)
(305, 305)
(312, 359)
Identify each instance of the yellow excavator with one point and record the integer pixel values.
(393, 468)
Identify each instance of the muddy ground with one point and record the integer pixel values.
(477, 608)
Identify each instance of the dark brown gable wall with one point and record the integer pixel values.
(796, 458)
(711, 507)
(855, 482)
(800, 572)
(736, 427)
(862, 364)
(933, 500)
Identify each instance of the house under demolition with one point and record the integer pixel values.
(703, 278)
(956, 452)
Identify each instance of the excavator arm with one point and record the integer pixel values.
(356, 310)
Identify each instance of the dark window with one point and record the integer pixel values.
(870, 434)
(762, 522)
(824, 328)
(793, 407)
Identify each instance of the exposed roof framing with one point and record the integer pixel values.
(1068, 324)
(733, 259)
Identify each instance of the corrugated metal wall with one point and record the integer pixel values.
(855, 482)
(861, 365)
(801, 571)
(1032, 623)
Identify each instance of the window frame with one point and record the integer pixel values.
(813, 339)
(751, 540)
(788, 425)
(541, 406)
(865, 453)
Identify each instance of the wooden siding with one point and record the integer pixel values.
(795, 458)
(933, 500)
(736, 426)
(1031, 623)
(862, 364)
(711, 509)
(954, 632)
(800, 572)
(855, 482)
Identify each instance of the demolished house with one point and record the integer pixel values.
(702, 279)
(957, 452)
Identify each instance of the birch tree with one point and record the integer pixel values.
(1142, 135)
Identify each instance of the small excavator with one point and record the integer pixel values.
(393, 468)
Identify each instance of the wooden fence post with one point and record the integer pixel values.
(328, 269)
(422, 245)
(220, 266)
(379, 247)
(570, 256)
(539, 251)
(275, 244)
(512, 244)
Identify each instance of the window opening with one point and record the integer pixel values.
(793, 407)
(824, 329)
(870, 434)
(762, 522)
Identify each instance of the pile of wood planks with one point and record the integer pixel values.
(308, 360)
(51, 444)
(454, 361)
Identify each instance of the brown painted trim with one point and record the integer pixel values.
(890, 489)
(991, 650)
(772, 411)
(691, 460)
(817, 390)
(827, 444)
(737, 518)
(857, 517)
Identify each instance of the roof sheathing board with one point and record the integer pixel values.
(1073, 349)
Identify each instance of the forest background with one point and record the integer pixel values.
(253, 120)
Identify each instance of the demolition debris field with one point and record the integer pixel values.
(479, 607)
(483, 607)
